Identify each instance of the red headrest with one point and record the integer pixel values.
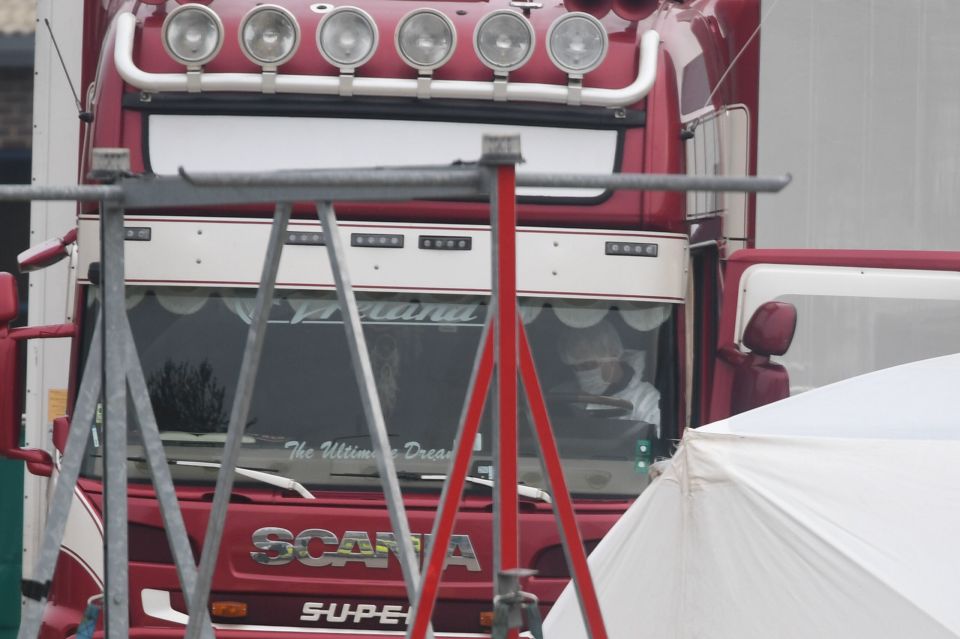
(770, 330)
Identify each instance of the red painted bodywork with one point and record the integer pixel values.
(69, 593)
(238, 578)
(717, 29)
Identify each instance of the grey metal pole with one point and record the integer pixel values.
(472, 175)
(117, 618)
(656, 182)
(163, 482)
(35, 589)
(85, 193)
(370, 400)
(173, 192)
(432, 176)
(389, 184)
(238, 417)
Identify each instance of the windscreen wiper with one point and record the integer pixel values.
(405, 475)
(259, 475)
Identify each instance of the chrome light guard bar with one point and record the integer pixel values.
(382, 87)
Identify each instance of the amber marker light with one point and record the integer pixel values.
(231, 609)
(486, 619)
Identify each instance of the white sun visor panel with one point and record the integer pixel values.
(212, 143)
(584, 264)
(764, 282)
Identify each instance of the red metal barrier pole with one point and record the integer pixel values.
(506, 330)
(453, 491)
(502, 153)
(562, 504)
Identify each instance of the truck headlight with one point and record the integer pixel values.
(347, 37)
(192, 34)
(425, 39)
(577, 43)
(269, 35)
(504, 40)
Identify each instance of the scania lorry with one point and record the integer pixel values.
(642, 318)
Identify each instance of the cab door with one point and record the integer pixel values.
(854, 312)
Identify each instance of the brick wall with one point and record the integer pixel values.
(16, 105)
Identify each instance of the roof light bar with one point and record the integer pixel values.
(126, 28)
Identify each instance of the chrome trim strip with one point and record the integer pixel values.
(156, 604)
(383, 87)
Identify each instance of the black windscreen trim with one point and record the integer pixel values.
(386, 108)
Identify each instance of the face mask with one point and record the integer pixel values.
(591, 381)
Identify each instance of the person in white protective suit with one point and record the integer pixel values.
(604, 368)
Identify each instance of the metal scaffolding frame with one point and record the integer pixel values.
(504, 354)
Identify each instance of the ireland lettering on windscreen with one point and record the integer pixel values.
(340, 450)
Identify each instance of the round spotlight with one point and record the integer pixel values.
(347, 37)
(192, 34)
(425, 39)
(504, 40)
(269, 35)
(576, 43)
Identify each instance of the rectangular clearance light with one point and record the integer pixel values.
(376, 240)
(229, 609)
(446, 243)
(304, 238)
(635, 249)
(136, 233)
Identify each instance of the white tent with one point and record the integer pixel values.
(835, 513)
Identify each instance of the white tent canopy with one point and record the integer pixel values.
(835, 513)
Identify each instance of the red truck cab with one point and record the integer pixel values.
(618, 289)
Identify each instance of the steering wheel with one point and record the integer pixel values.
(612, 406)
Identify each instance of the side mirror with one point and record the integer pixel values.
(46, 253)
(38, 461)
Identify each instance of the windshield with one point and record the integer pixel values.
(605, 368)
